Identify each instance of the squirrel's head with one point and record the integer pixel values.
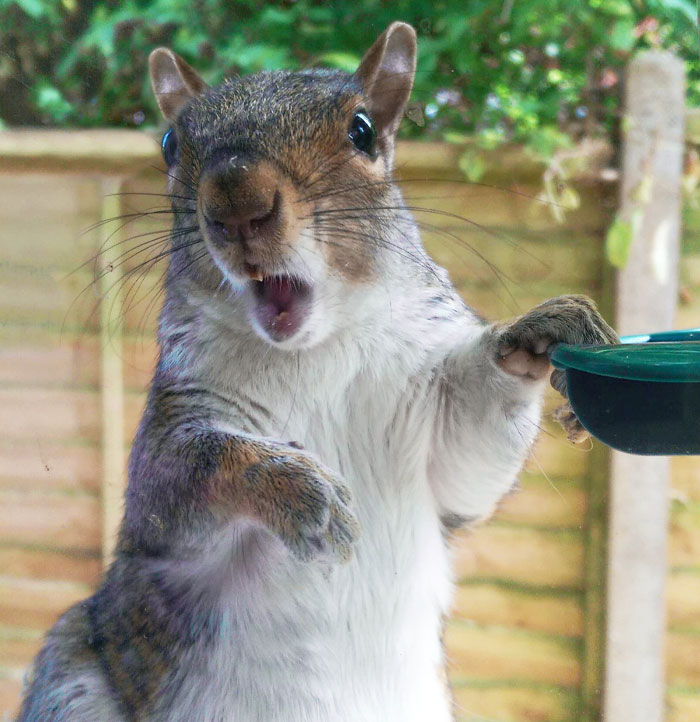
(289, 177)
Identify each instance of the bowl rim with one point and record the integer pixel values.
(666, 357)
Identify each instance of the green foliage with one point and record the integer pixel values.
(618, 241)
(532, 71)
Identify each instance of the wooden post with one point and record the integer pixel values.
(113, 436)
(596, 540)
(647, 293)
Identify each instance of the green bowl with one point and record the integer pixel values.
(641, 396)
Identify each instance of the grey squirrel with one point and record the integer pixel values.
(324, 407)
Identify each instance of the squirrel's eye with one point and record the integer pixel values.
(362, 133)
(169, 146)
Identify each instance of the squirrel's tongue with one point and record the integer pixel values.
(278, 291)
(281, 305)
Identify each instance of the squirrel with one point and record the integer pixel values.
(324, 411)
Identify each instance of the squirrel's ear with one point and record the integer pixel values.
(174, 81)
(386, 72)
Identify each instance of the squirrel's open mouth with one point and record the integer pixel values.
(281, 304)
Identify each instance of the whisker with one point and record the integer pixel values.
(145, 193)
(175, 178)
(136, 215)
(362, 214)
(101, 248)
(139, 248)
(343, 233)
(403, 181)
(143, 269)
(126, 277)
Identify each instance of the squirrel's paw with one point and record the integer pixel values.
(308, 506)
(524, 346)
(565, 416)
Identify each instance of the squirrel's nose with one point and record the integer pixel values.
(240, 201)
(243, 221)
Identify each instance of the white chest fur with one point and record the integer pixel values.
(313, 642)
(359, 642)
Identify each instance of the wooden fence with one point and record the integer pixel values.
(525, 641)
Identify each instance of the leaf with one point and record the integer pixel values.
(622, 36)
(621, 8)
(569, 198)
(49, 99)
(545, 141)
(344, 61)
(618, 241)
(684, 7)
(641, 194)
(452, 136)
(553, 200)
(275, 16)
(473, 165)
(34, 8)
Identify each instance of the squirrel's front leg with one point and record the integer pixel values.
(188, 480)
(289, 492)
(489, 401)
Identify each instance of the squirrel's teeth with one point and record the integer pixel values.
(255, 274)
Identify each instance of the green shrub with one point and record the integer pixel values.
(532, 71)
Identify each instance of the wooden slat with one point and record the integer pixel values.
(10, 691)
(44, 465)
(45, 217)
(496, 302)
(55, 361)
(39, 357)
(684, 537)
(104, 151)
(140, 356)
(682, 706)
(71, 302)
(112, 376)
(683, 659)
(476, 211)
(543, 502)
(35, 604)
(685, 475)
(134, 406)
(17, 651)
(527, 556)
(49, 414)
(506, 702)
(690, 264)
(556, 457)
(595, 542)
(56, 520)
(47, 296)
(687, 317)
(522, 259)
(493, 653)
(50, 564)
(683, 600)
(59, 416)
(508, 606)
(120, 151)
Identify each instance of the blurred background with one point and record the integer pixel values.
(512, 152)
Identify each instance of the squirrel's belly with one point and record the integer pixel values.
(353, 643)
